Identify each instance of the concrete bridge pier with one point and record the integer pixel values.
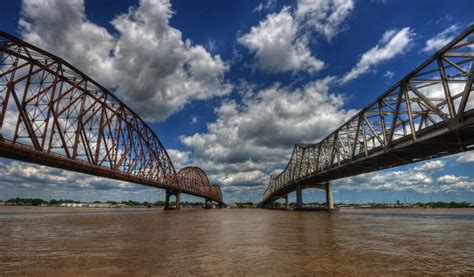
(329, 201)
(299, 197)
(177, 196)
(273, 200)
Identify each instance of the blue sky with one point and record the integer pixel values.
(230, 86)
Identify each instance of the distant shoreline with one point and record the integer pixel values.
(85, 206)
(35, 202)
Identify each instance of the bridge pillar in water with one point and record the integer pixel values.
(177, 196)
(299, 197)
(287, 206)
(329, 201)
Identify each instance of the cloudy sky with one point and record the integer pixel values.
(231, 86)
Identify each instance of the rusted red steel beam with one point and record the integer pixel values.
(53, 114)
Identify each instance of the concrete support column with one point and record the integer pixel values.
(177, 195)
(269, 204)
(329, 202)
(178, 200)
(167, 200)
(287, 205)
(299, 197)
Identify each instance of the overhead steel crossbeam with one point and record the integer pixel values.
(427, 114)
(53, 114)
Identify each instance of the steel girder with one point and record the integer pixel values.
(53, 114)
(427, 114)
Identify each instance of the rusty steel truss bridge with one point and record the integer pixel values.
(53, 114)
(427, 114)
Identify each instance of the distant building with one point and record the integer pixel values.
(99, 205)
(73, 205)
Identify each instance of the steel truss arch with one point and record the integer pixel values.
(53, 114)
(194, 179)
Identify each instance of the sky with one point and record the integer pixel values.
(231, 86)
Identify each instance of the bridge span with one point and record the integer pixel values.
(427, 114)
(55, 115)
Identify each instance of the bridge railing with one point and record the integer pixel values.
(436, 92)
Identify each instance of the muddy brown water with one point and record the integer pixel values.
(67, 241)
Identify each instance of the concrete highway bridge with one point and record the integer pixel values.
(55, 115)
(428, 114)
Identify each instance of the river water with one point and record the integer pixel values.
(236, 242)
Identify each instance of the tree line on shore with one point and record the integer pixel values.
(55, 202)
(438, 204)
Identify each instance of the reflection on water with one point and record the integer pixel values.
(236, 241)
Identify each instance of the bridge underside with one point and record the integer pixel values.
(25, 154)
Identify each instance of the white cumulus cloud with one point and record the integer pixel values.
(441, 39)
(180, 158)
(325, 17)
(281, 42)
(466, 157)
(277, 46)
(420, 179)
(430, 165)
(393, 43)
(152, 67)
(249, 139)
(31, 180)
